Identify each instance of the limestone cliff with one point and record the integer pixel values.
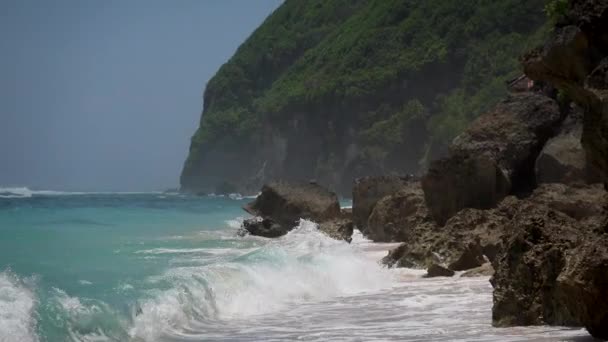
(335, 89)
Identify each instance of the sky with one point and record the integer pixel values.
(104, 95)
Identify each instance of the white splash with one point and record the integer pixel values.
(303, 266)
(17, 304)
(235, 223)
(209, 251)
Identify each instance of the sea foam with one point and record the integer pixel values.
(304, 265)
(17, 304)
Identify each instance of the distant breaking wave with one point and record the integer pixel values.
(25, 192)
(234, 196)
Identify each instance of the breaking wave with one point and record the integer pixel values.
(303, 266)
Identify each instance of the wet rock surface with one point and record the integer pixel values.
(339, 229)
(281, 205)
(264, 227)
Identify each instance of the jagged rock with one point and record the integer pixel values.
(471, 256)
(484, 270)
(435, 270)
(346, 213)
(281, 205)
(339, 229)
(410, 256)
(579, 202)
(367, 191)
(466, 240)
(265, 227)
(395, 217)
(287, 202)
(493, 157)
(555, 236)
(479, 227)
(574, 60)
(525, 277)
(582, 287)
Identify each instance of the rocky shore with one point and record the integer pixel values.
(520, 195)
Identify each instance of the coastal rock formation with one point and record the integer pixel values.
(574, 59)
(288, 202)
(367, 191)
(554, 268)
(493, 157)
(281, 205)
(583, 284)
(468, 257)
(554, 263)
(525, 279)
(435, 270)
(484, 270)
(466, 241)
(563, 159)
(554, 271)
(339, 229)
(579, 202)
(265, 227)
(396, 217)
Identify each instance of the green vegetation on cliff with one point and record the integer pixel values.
(395, 79)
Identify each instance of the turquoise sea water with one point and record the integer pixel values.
(102, 250)
(170, 267)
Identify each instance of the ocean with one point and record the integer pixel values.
(171, 267)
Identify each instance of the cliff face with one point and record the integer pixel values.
(336, 89)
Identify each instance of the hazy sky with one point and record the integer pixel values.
(105, 94)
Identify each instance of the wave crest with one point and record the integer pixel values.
(304, 265)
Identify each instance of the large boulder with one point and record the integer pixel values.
(367, 191)
(466, 241)
(281, 205)
(339, 229)
(554, 264)
(582, 287)
(524, 281)
(436, 270)
(264, 227)
(484, 270)
(288, 202)
(397, 216)
(493, 157)
(474, 229)
(579, 202)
